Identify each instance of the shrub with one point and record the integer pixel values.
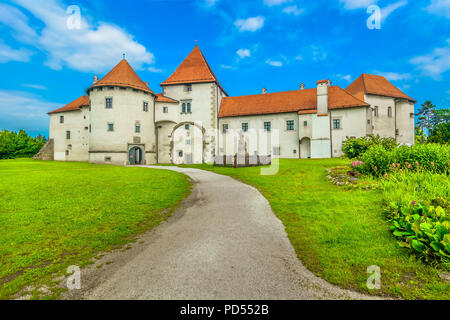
(419, 210)
(425, 157)
(19, 145)
(355, 147)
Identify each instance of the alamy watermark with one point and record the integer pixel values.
(374, 21)
(374, 280)
(73, 21)
(74, 280)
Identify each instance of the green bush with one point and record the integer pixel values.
(418, 207)
(378, 161)
(355, 147)
(19, 145)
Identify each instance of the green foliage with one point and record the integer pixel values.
(378, 161)
(19, 145)
(440, 134)
(355, 147)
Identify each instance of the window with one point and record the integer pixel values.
(107, 159)
(188, 88)
(267, 126)
(225, 128)
(187, 126)
(188, 142)
(138, 128)
(336, 124)
(245, 127)
(67, 153)
(186, 107)
(68, 135)
(390, 112)
(305, 123)
(375, 112)
(145, 107)
(61, 119)
(165, 110)
(110, 127)
(368, 121)
(109, 103)
(90, 128)
(290, 124)
(180, 154)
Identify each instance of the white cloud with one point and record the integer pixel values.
(293, 10)
(385, 12)
(92, 48)
(299, 57)
(155, 70)
(318, 54)
(274, 63)
(224, 66)
(210, 3)
(244, 53)
(272, 3)
(357, 4)
(394, 76)
(8, 54)
(250, 24)
(440, 8)
(435, 63)
(35, 86)
(345, 77)
(24, 111)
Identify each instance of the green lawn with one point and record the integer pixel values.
(53, 215)
(337, 232)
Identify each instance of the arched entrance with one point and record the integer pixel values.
(188, 143)
(135, 156)
(305, 148)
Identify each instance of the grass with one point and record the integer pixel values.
(53, 215)
(339, 232)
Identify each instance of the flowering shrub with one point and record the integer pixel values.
(356, 164)
(378, 161)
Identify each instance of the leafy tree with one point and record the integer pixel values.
(19, 145)
(440, 133)
(426, 117)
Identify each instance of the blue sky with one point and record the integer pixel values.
(45, 62)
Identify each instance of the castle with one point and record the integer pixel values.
(122, 121)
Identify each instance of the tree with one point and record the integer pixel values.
(19, 145)
(426, 117)
(440, 133)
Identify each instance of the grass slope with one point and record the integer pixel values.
(53, 215)
(339, 233)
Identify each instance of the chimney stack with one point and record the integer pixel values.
(302, 86)
(322, 96)
(95, 79)
(264, 90)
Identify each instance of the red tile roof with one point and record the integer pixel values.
(194, 69)
(288, 101)
(375, 85)
(76, 105)
(161, 98)
(123, 75)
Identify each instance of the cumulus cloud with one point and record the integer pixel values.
(435, 63)
(24, 111)
(250, 24)
(385, 12)
(155, 70)
(90, 48)
(244, 53)
(440, 8)
(34, 86)
(293, 10)
(274, 63)
(357, 4)
(345, 77)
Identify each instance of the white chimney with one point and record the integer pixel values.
(302, 86)
(322, 96)
(264, 90)
(95, 79)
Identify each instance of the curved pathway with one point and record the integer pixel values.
(223, 243)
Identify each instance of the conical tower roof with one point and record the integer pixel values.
(194, 69)
(123, 75)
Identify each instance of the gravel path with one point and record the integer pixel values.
(223, 243)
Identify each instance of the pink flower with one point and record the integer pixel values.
(413, 203)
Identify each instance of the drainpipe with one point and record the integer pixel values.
(395, 119)
(331, 134)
